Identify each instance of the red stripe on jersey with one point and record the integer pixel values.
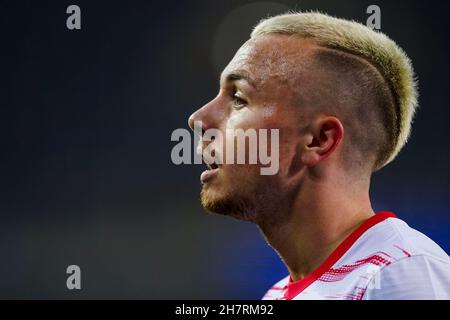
(295, 288)
(403, 250)
(338, 274)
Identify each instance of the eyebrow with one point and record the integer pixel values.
(239, 75)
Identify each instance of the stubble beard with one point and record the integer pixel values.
(262, 203)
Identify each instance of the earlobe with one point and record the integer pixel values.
(309, 156)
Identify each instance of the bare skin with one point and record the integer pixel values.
(308, 208)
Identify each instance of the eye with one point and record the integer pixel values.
(238, 102)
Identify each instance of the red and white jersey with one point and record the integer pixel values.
(383, 258)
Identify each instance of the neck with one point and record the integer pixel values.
(320, 217)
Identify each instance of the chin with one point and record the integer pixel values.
(228, 203)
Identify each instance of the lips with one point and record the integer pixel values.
(208, 174)
(212, 169)
(212, 166)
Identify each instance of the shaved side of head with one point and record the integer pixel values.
(362, 74)
(352, 89)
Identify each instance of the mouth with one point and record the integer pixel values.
(211, 171)
(212, 166)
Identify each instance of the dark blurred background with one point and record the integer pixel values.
(85, 124)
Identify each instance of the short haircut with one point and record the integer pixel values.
(393, 84)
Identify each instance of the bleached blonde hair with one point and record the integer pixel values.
(375, 47)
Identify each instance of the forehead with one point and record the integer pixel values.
(270, 56)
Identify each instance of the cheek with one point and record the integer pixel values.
(253, 119)
(239, 119)
(239, 178)
(260, 117)
(290, 152)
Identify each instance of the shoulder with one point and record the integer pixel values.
(413, 277)
(401, 240)
(396, 239)
(418, 268)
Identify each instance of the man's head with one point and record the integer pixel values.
(342, 96)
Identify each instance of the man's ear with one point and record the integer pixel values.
(325, 135)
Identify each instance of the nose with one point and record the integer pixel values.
(208, 116)
(191, 120)
(196, 122)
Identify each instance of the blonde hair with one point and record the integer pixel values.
(375, 47)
